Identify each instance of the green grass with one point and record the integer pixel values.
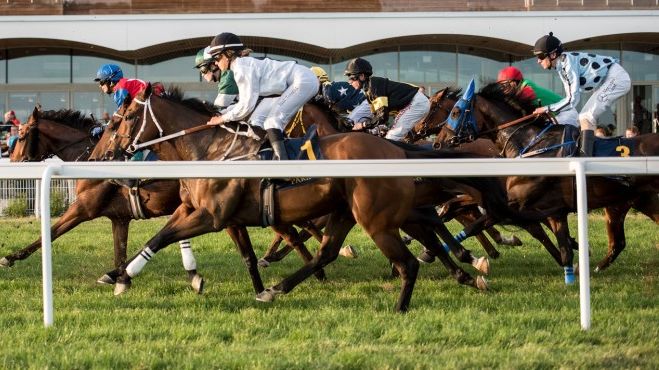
(529, 318)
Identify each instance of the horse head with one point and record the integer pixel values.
(469, 119)
(133, 122)
(433, 121)
(27, 148)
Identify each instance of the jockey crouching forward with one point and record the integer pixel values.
(341, 97)
(384, 96)
(295, 85)
(227, 90)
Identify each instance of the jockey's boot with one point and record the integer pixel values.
(276, 139)
(587, 142)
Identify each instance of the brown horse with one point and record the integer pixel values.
(380, 205)
(66, 134)
(493, 108)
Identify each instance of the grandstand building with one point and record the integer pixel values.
(51, 49)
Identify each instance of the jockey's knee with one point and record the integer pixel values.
(587, 121)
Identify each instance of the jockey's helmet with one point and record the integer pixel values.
(225, 41)
(320, 73)
(510, 73)
(109, 73)
(546, 45)
(358, 66)
(203, 57)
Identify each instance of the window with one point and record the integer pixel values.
(85, 67)
(483, 70)
(170, 71)
(39, 69)
(641, 66)
(432, 70)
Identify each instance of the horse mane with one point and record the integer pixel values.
(493, 91)
(453, 93)
(71, 118)
(174, 94)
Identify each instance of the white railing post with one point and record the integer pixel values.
(46, 255)
(37, 198)
(578, 166)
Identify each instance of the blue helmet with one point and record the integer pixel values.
(342, 95)
(109, 73)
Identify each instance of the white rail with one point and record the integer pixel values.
(578, 167)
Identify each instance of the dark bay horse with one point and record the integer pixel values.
(493, 108)
(380, 205)
(66, 134)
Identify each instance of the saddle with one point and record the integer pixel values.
(305, 148)
(613, 147)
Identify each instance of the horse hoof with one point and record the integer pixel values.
(120, 288)
(407, 239)
(197, 284)
(597, 269)
(425, 257)
(482, 264)
(481, 283)
(267, 295)
(348, 252)
(5, 262)
(263, 263)
(511, 241)
(106, 279)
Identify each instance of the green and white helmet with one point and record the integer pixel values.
(203, 57)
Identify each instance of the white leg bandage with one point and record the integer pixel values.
(189, 262)
(136, 265)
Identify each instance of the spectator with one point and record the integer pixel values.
(600, 132)
(10, 118)
(641, 116)
(631, 132)
(12, 137)
(655, 120)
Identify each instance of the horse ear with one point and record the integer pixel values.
(148, 90)
(35, 112)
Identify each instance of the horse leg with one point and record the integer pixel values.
(75, 215)
(469, 217)
(338, 226)
(562, 232)
(512, 240)
(394, 249)
(290, 235)
(243, 243)
(536, 231)
(429, 240)
(273, 253)
(185, 223)
(615, 229)
(120, 238)
(190, 266)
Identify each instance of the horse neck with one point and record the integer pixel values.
(312, 114)
(210, 144)
(67, 143)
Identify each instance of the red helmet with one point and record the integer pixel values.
(510, 73)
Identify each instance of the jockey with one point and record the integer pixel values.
(582, 72)
(342, 97)
(512, 78)
(227, 90)
(111, 80)
(384, 96)
(293, 83)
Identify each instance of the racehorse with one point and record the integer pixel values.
(380, 205)
(492, 108)
(67, 134)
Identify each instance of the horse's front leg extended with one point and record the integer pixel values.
(185, 223)
(74, 216)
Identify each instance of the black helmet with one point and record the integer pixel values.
(546, 45)
(358, 66)
(225, 41)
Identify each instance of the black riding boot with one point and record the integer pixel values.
(587, 142)
(276, 139)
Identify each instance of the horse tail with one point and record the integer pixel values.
(490, 190)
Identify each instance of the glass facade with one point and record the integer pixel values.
(64, 79)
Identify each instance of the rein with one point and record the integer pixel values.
(135, 146)
(511, 123)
